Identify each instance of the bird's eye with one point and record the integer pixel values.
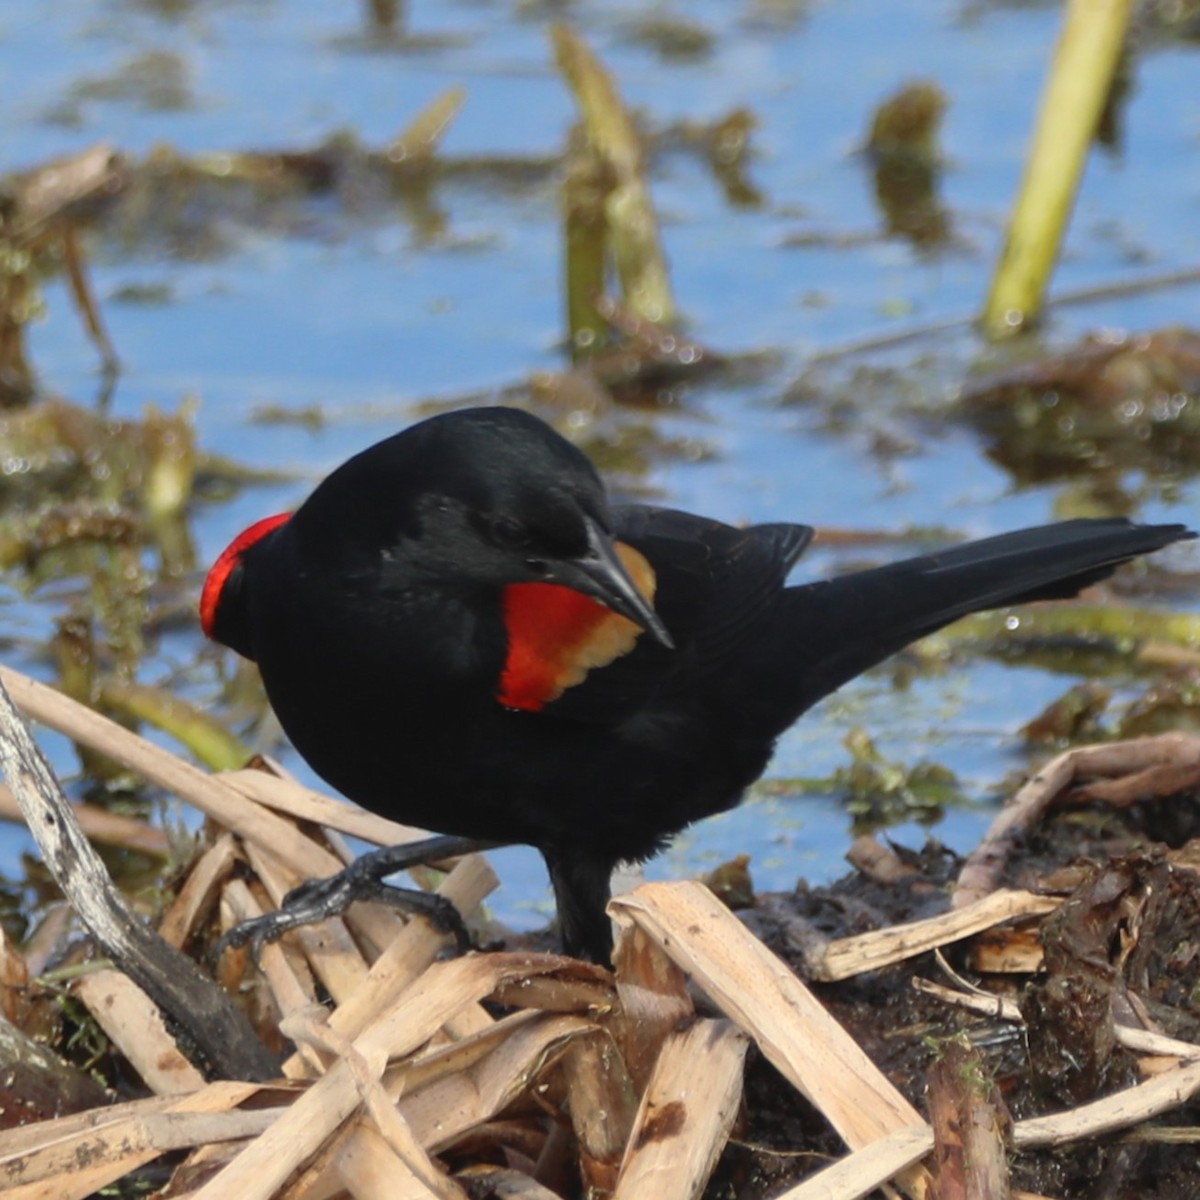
(509, 533)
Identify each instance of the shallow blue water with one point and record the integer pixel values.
(363, 314)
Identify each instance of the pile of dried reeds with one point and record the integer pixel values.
(511, 1074)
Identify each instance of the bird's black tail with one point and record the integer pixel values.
(829, 632)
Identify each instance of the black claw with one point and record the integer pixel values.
(318, 899)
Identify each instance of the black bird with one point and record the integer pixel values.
(457, 630)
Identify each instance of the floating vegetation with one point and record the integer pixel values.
(1113, 405)
(40, 215)
(907, 163)
(1073, 717)
(879, 792)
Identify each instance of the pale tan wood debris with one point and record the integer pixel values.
(411, 952)
(602, 1106)
(961, 980)
(457, 1060)
(403, 1157)
(1006, 952)
(214, 1097)
(135, 1026)
(447, 1093)
(1140, 1041)
(1135, 770)
(654, 1001)
(314, 1181)
(978, 1001)
(100, 825)
(553, 993)
(1158, 1095)
(984, 865)
(1166, 1135)
(464, 1023)
(555, 983)
(860, 1172)
(455, 1090)
(850, 956)
(306, 804)
(870, 857)
(865, 1171)
(199, 894)
(758, 991)
(1139, 758)
(369, 1168)
(259, 1170)
(420, 1011)
(125, 1149)
(74, 1157)
(1150, 1065)
(685, 1114)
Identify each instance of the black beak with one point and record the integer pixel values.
(601, 574)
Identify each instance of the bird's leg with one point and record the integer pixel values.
(363, 879)
(582, 888)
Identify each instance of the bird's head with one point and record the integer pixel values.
(507, 501)
(478, 498)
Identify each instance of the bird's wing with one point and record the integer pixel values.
(714, 582)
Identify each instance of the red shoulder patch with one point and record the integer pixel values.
(215, 581)
(556, 635)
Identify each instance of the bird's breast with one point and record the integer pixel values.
(556, 635)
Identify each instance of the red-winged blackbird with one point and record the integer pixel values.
(457, 630)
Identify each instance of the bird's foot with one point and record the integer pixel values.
(319, 899)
